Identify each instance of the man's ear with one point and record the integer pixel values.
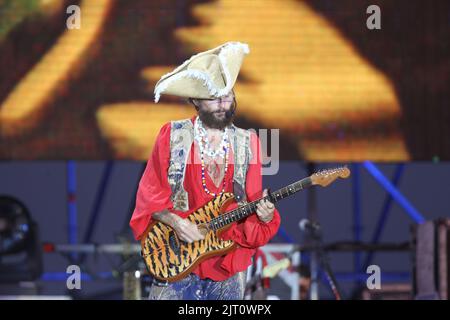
(195, 103)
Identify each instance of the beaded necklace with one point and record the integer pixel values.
(202, 136)
(223, 150)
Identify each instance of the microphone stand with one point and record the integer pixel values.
(318, 256)
(313, 217)
(323, 261)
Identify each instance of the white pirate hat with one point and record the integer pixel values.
(207, 75)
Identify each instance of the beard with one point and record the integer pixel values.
(213, 121)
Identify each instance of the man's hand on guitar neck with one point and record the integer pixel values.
(186, 230)
(265, 209)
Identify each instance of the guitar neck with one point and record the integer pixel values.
(250, 208)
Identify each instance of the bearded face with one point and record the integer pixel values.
(216, 113)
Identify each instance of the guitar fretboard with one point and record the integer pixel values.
(249, 208)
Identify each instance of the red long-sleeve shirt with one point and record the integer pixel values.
(154, 193)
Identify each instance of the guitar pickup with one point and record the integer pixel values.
(174, 244)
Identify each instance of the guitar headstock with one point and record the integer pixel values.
(325, 177)
(272, 270)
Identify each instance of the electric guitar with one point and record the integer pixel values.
(169, 259)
